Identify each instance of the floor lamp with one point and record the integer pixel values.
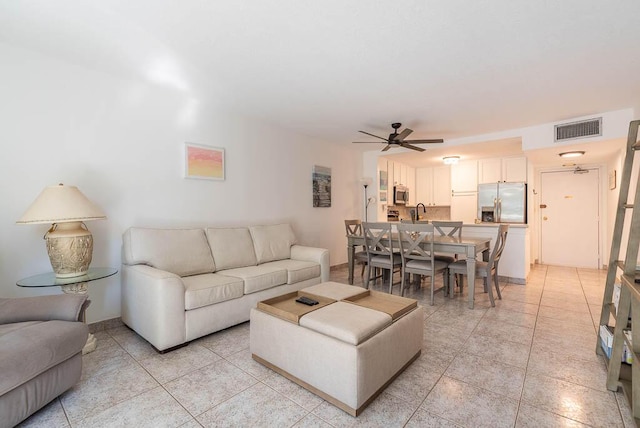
(366, 181)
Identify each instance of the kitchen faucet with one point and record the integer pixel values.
(424, 209)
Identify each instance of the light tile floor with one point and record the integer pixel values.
(528, 362)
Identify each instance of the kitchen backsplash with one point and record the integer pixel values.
(433, 213)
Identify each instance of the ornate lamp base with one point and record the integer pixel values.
(70, 248)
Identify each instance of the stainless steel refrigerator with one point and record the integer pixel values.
(502, 202)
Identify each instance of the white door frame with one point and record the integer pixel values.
(603, 249)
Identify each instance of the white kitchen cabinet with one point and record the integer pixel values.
(489, 170)
(464, 177)
(411, 184)
(390, 174)
(514, 170)
(398, 173)
(442, 185)
(464, 207)
(433, 186)
(403, 175)
(424, 185)
(502, 170)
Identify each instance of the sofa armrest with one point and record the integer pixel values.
(153, 305)
(313, 254)
(63, 307)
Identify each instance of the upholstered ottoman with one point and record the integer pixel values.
(345, 351)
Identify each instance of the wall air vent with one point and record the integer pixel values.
(582, 129)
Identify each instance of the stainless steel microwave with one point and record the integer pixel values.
(400, 195)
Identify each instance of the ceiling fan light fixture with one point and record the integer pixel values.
(571, 154)
(399, 139)
(450, 160)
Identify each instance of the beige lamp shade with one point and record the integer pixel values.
(59, 204)
(69, 242)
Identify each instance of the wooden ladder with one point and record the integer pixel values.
(619, 374)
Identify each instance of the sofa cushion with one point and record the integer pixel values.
(32, 349)
(8, 328)
(297, 270)
(64, 307)
(180, 251)
(210, 288)
(258, 278)
(231, 247)
(347, 322)
(272, 242)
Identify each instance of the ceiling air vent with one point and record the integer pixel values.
(573, 130)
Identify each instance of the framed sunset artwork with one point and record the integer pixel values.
(203, 162)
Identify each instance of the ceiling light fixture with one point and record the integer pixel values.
(573, 154)
(450, 160)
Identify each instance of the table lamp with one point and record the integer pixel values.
(69, 242)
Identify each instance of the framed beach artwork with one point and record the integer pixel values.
(321, 179)
(203, 162)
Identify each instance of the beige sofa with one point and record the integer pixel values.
(41, 341)
(182, 284)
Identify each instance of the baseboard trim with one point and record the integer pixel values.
(105, 325)
(340, 266)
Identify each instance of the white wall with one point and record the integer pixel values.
(121, 142)
(617, 164)
(614, 164)
(614, 126)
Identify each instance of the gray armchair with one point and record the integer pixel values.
(41, 340)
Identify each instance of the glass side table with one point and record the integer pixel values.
(75, 285)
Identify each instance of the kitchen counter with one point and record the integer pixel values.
(485, 224)
(515, 263)
(488, 224)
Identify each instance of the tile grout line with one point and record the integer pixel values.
(598, 344)
(562, 380)
(526, 369)
(440, 309)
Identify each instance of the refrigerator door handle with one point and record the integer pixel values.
(499, 210)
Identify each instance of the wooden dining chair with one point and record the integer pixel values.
(486, 270)
(447, 228)
(354, 228)
(453, 229)
(416, 249)
(379, 244)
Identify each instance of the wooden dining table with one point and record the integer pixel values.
(469, 247)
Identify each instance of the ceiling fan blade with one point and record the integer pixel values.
(404, 134)
(439, 140)
(368, 142)
(409, 146)
(387, 147)
(373, 135)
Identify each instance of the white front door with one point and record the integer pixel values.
(570, 218)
